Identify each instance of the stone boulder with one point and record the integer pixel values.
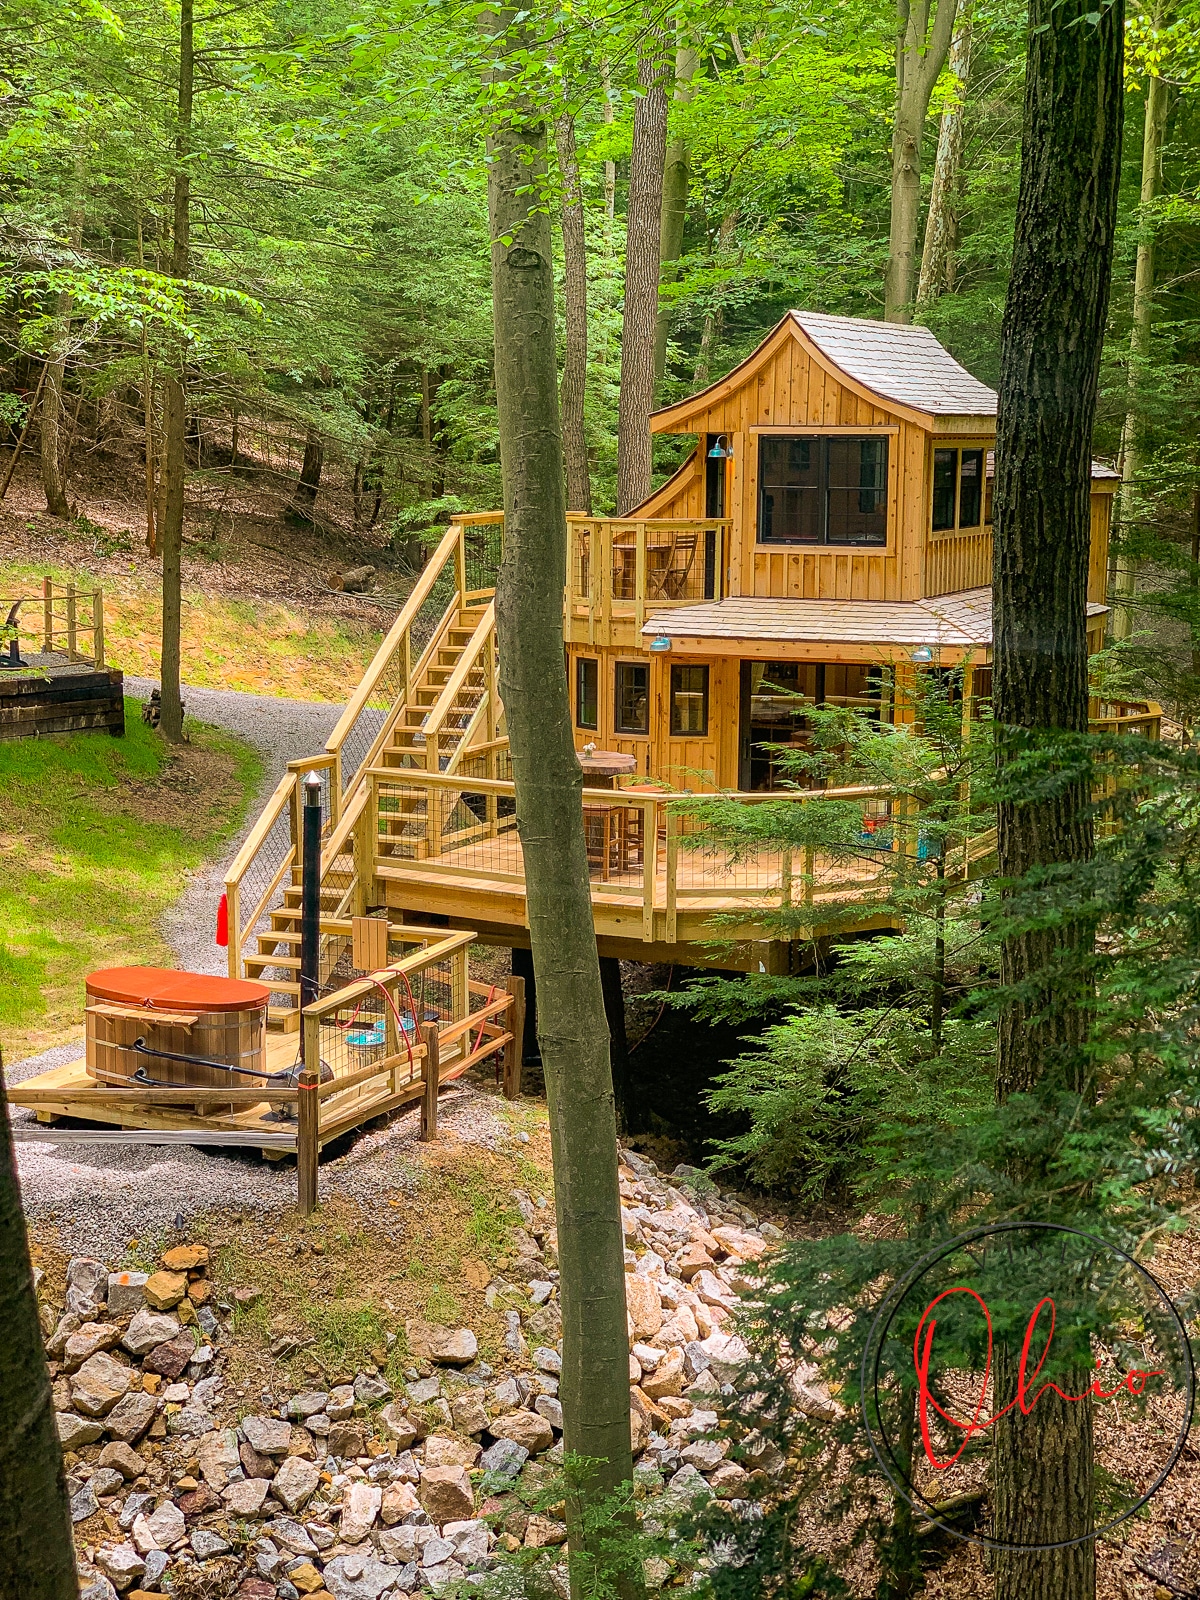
(147, 1330)
(164, 1290)
(130, 1417)
(100, 1382)
(526, 1428)
(446, 1494)
(644, 1306)
(360, 1507)
(296, 1482)
(270, 1436)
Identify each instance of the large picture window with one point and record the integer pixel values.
(632, 697)
(689, 701)
(822, 489)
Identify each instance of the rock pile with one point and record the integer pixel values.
(370, 1488)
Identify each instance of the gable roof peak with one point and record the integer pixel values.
(901, 362)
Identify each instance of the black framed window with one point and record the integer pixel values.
(632, 697)
(958, 490)
(689, 700)
(822, 489)
(587, 693)
(970, 488)
(945, 483)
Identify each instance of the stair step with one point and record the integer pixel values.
(286, 963)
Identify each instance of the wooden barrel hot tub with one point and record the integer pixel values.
(220, 1020)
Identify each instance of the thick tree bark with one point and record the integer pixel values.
(308, 485)
(941, 223)
(37, 1553)
(571, 1021)
(921, 51)
(1139, 339)
(677, 180)
(175, 420)
(610, 167)
(643, 243)
(575, 305)
(1050, 355)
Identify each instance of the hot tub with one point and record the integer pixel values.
(143, 1019)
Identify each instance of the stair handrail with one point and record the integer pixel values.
(480, 639)
(397, 636)
(283, 799)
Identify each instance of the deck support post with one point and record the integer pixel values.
(430, 1077)
(308, 1144)
(514, 1049)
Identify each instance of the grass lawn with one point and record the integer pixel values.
(96, 834)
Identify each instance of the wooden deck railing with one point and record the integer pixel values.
(397, 1036)
(62, 619)
(622, 568)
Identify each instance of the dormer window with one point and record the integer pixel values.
(822, 489)
(957, 489)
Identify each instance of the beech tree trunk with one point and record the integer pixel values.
(715, 318)
(1042, 1476)
(643, 243)
(175, 407)
(308, 485)
(37, 1552)
(921, 51)
(575, 304)
(572, 1031)
(941, 223)
(1139, 340)
(677, 180)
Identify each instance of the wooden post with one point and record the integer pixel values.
(430, 1076)
(71, 650)
(460, 565)
(98, 626)
(514, 1049)
(233, 909)
(47, 614)
(308, 1115)
(672, 931)
(639, 575)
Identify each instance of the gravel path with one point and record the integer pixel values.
(98, 1197)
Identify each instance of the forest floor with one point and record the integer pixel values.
(261, 613)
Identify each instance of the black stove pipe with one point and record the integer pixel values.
(310, 893)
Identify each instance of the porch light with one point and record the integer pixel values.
(660, 645)
(922, 653)
(722, 450)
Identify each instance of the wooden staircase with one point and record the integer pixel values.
(446, 706)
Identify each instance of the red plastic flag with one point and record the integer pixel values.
(223, 920)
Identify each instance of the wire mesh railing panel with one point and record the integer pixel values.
(482, 546)
(581, 559)
(266, 876)
(369, 723)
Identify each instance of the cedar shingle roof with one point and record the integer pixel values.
(902, 363)
(959, 621)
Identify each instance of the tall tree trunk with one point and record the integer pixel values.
(575, 305)
(148, 413)
(677, 179)
(1051, 341)
(610, 167)
(37, 1552)
(941, 223)
(1139, 338)
(643, 242)
(571, 1022)
(52, 400)
(921, 52)
(715, 318)
(175, 420)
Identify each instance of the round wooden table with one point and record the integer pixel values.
(602, 766)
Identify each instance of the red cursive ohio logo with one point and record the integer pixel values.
(1134, 1382)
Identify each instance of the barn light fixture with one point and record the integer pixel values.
(661, 644)
(722, 450)
(922, 653)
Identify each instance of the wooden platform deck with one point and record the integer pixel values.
(51, 693)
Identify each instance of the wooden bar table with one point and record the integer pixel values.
(606, 827)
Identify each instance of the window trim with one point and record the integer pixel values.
(580, 662)
(680, 666)
(963, 445)
(794, 430)
(631, 733)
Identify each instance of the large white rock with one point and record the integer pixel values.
(160, 1530)
(296, 1481)
(148, 1330)
(360, 1507)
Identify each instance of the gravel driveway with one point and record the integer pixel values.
(99, 1196)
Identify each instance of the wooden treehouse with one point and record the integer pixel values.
(829, 534)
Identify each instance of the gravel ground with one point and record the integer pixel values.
(97, 1197)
